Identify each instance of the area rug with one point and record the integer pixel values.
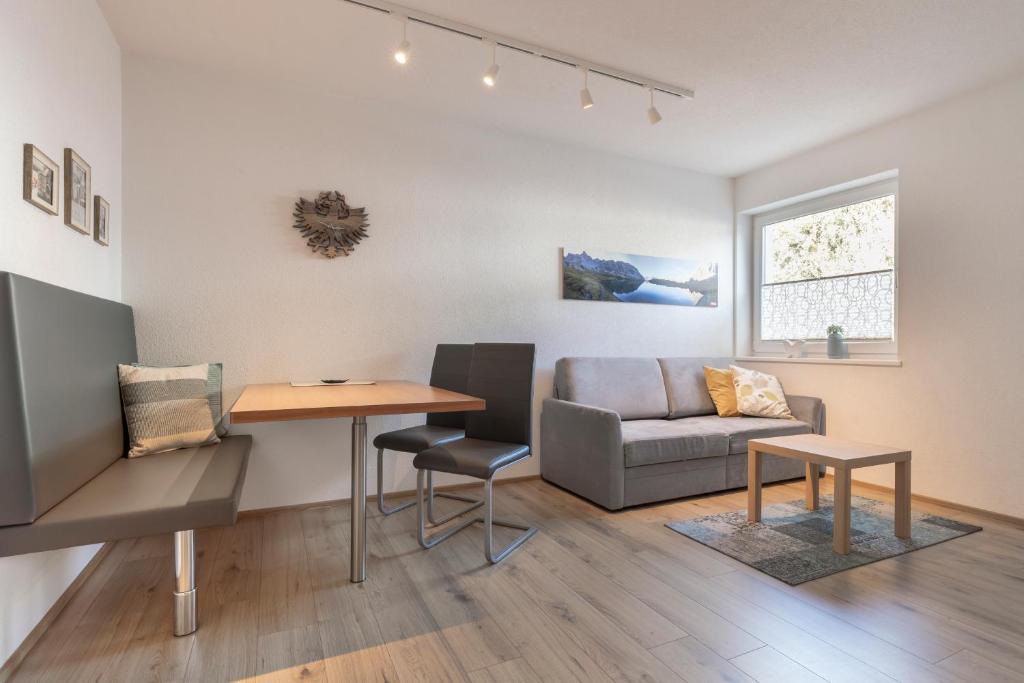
(794, 544)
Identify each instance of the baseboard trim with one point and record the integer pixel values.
(981, 512)
(259, 512)
(19, 654)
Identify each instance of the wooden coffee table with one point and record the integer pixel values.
(844, 456)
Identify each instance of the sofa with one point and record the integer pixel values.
(628, 431)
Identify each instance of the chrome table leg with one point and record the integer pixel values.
(358, 539)
(185, 613)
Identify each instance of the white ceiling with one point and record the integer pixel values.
(773, 77)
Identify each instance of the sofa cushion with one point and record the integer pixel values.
(743, 429)
(722, 390)
(759, 394)
(686, 387)
(632, 387)
(648, 442)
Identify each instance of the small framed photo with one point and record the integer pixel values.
(77, 190)
(101, 220)
(41, 180)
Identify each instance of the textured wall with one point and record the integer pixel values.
(61, 73)
(960, 278)
(465, 229)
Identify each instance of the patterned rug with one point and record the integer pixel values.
(794, 544)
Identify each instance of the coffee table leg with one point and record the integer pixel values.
(841, 513)
(358, 539)
(903, 499)
(811, 486)
(753, 486)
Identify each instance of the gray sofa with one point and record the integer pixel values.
(628, 431)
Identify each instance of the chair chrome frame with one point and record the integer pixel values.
(487, 520)
(386, 511)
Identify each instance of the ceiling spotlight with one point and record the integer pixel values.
(402, 51)
(653, 115)
(491, 75)
(586, 101)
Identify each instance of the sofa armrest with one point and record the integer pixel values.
(581, 450)
(808, 409)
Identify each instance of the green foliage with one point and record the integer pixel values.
(850, 239)
(581, 284)
(836, 329)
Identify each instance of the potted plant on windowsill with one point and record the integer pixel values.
(836, 342)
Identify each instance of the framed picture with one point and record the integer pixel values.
(41, 180)
(592, 275)
(101, 220)
(77, 190)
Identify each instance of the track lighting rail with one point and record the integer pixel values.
(510, 43)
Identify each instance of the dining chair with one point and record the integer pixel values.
(496, 438)
(450, 371)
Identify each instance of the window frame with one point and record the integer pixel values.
(835, 200)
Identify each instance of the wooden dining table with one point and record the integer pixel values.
(282, 402)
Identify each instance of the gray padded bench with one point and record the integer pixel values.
(63, 480)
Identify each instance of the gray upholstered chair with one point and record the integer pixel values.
(450, 371)
(496, 438)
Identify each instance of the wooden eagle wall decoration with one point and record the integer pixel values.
(331, 227)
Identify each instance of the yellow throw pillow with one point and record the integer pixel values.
(722, 391)
(759, 395)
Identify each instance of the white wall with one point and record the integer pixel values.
(961, 169)
(60, 68)
(465, 230)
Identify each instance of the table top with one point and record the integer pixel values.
(279, 402)
(828, 450)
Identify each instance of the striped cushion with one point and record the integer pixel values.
(166, 408)
(214, 394)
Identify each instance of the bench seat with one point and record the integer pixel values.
(186, 489)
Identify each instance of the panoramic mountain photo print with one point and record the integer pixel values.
(610, 276)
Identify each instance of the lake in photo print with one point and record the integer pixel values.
(593, 275)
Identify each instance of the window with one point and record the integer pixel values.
(830, 261)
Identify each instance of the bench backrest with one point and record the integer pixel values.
(60, 406)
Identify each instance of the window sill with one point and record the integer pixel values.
(881, 362)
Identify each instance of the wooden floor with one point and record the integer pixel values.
(595, 596)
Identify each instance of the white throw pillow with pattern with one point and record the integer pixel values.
(759, 395)
(166, 408)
